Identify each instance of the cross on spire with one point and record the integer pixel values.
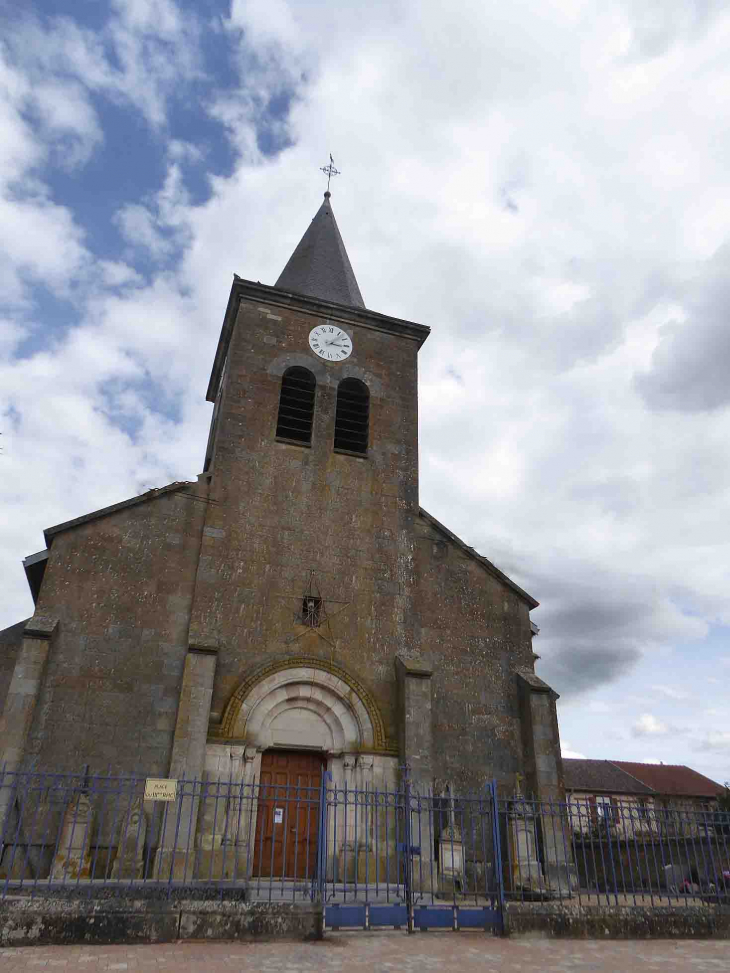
(329, 171)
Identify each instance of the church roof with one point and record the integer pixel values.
(491, 568)
(319, 266)
(50, 532)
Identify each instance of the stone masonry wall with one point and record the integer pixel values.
(10, 641)
(121, 587)
(475, 630)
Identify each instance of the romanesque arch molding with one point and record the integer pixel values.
(327, 700)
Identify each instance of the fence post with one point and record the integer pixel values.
(407, 844)
(609, 841)
(321, 869)
(5, 812)
(497, 851)
(716, 875)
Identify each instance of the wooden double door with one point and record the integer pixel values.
(288, 814)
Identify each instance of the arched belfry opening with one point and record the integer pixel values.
(352, 416)
(296, 405)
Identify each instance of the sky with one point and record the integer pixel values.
(545, 184)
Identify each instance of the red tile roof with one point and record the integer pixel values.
(671, 779)
(600, 777)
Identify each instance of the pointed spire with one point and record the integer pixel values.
(320, 267)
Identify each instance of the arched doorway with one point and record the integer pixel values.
(302, 720)
(287, 723)
(288, 812)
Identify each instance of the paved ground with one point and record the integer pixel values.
(378, 952)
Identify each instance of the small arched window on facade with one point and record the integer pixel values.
(352, 416)
(296, 405)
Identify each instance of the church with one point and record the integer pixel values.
(293, 610)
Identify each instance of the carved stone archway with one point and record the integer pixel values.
(319, 697)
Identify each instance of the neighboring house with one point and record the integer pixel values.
(628, 797)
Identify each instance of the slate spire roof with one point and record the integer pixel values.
(320, 267)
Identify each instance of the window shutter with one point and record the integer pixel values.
(296, 405)
(352, 416)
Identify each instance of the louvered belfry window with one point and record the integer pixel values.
(352, 417)
(296, 405)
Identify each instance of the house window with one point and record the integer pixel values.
(607, 809)
(296, 406)
(352, 416)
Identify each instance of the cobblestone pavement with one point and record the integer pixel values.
(383, 952)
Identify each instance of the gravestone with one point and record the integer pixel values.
(72, 859)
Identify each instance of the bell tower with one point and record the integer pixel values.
(312, 473)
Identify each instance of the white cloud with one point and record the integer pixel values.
(115, 274)
(161, 227)
(714, 740)
(182, 151)
(65, 110)
(567, 751)
(543, 183)
(648, 725)
(670, 692)
(140, 228)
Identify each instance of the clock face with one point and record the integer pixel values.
(330, 343)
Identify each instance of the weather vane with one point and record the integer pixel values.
(330, 171)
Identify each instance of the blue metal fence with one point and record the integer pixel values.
(399, 858)
(621, 853)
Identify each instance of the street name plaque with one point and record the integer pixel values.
(160, 789)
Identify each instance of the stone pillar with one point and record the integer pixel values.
(415, 731)
(544, 774)
(347, 871)
(526, 870)
(247, 813)
(24, 690)
(366, 861)
(177, 839)
(23, 693)
(235, 809)
(225, 812)
(416, 750)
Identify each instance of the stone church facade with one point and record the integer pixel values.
(294, 603)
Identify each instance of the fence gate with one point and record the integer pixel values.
(408, 860)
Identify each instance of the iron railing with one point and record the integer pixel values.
(372, 857)
(621, 854)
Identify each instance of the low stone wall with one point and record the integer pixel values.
(604, 922)
(67, 919)
(640, 863)
(129, 916)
